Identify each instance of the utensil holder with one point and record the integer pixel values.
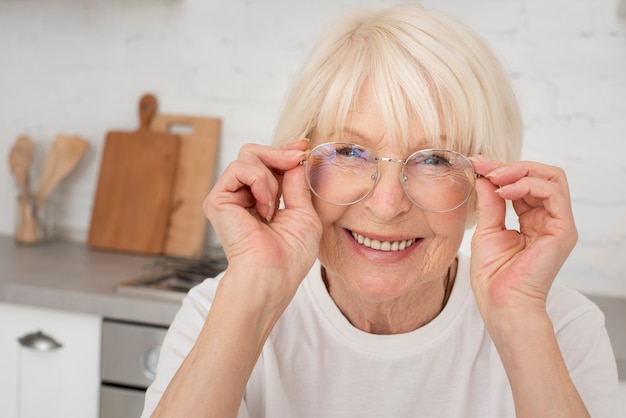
(33, 224)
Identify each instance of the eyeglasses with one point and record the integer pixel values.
(435, 180)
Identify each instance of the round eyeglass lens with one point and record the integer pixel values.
(435, 180)
(438, 180)
(340, 173)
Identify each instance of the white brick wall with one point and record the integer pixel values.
(80, 66)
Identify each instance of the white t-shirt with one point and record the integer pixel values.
(316, 364)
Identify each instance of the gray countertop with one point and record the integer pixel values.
(72, 277)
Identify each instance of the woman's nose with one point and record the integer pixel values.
(388, 199)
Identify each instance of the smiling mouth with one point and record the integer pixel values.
(382, 245)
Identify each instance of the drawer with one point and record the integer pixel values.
(130, 353)
(120, 403)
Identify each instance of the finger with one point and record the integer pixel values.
(296, 193)
(511, 173)
(277, 162)
(531, 192)
(300, 144)
(484, 165)
(247, 185)
(274, 158)
(490, 207)
(525, 195)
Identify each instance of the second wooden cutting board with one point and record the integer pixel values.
(199, 139)
(133, 197)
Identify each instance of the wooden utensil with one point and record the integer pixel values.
(133, 197)
(27, 230)
(199, 139)
(60, 160)
(20, 159)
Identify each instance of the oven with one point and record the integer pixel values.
(130, 351)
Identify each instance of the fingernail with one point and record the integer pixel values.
(296, 153)
(270, 211)
(479, 158)
(298, 143)
(305, 140)
(496, 172)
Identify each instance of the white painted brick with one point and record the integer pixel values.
(80, 67)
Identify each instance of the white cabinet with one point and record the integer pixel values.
(38, 379)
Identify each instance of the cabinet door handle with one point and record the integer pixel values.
(40, 342)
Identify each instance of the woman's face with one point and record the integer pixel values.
(386, 214)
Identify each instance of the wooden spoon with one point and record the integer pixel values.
(60, 160)
(20, 159)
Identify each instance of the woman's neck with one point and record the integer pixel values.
(396, 316)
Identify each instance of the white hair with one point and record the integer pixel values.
(419, 64)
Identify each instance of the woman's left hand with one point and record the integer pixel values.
(513, 269)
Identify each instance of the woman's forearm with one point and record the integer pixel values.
(211, 380)
(537, 373)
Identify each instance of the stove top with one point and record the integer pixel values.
(172, 278)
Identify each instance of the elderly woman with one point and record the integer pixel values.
(345, 293)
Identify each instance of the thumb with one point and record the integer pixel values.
(490, 207)
(296, 193)
(294, 187)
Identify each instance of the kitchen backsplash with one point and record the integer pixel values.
(79, 67)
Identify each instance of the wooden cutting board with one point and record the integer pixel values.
(199, 139)
(133, 197)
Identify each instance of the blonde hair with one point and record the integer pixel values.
(418, 63)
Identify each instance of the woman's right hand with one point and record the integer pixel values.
(269, 252)
(260, 241)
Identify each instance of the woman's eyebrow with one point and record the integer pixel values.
(354, 134)
(360, 136)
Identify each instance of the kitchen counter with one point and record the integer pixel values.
(72, 277)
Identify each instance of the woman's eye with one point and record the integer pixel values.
(350, 152)
(435, 160)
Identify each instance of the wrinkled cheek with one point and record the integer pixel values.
(449, 230)
(332, 252)
(328, 213)
(330, 245)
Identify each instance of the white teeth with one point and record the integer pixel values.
(382, 245)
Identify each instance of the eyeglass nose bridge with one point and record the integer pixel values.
(376, 175)
(389, 159)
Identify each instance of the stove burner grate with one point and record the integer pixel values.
(172, 278)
